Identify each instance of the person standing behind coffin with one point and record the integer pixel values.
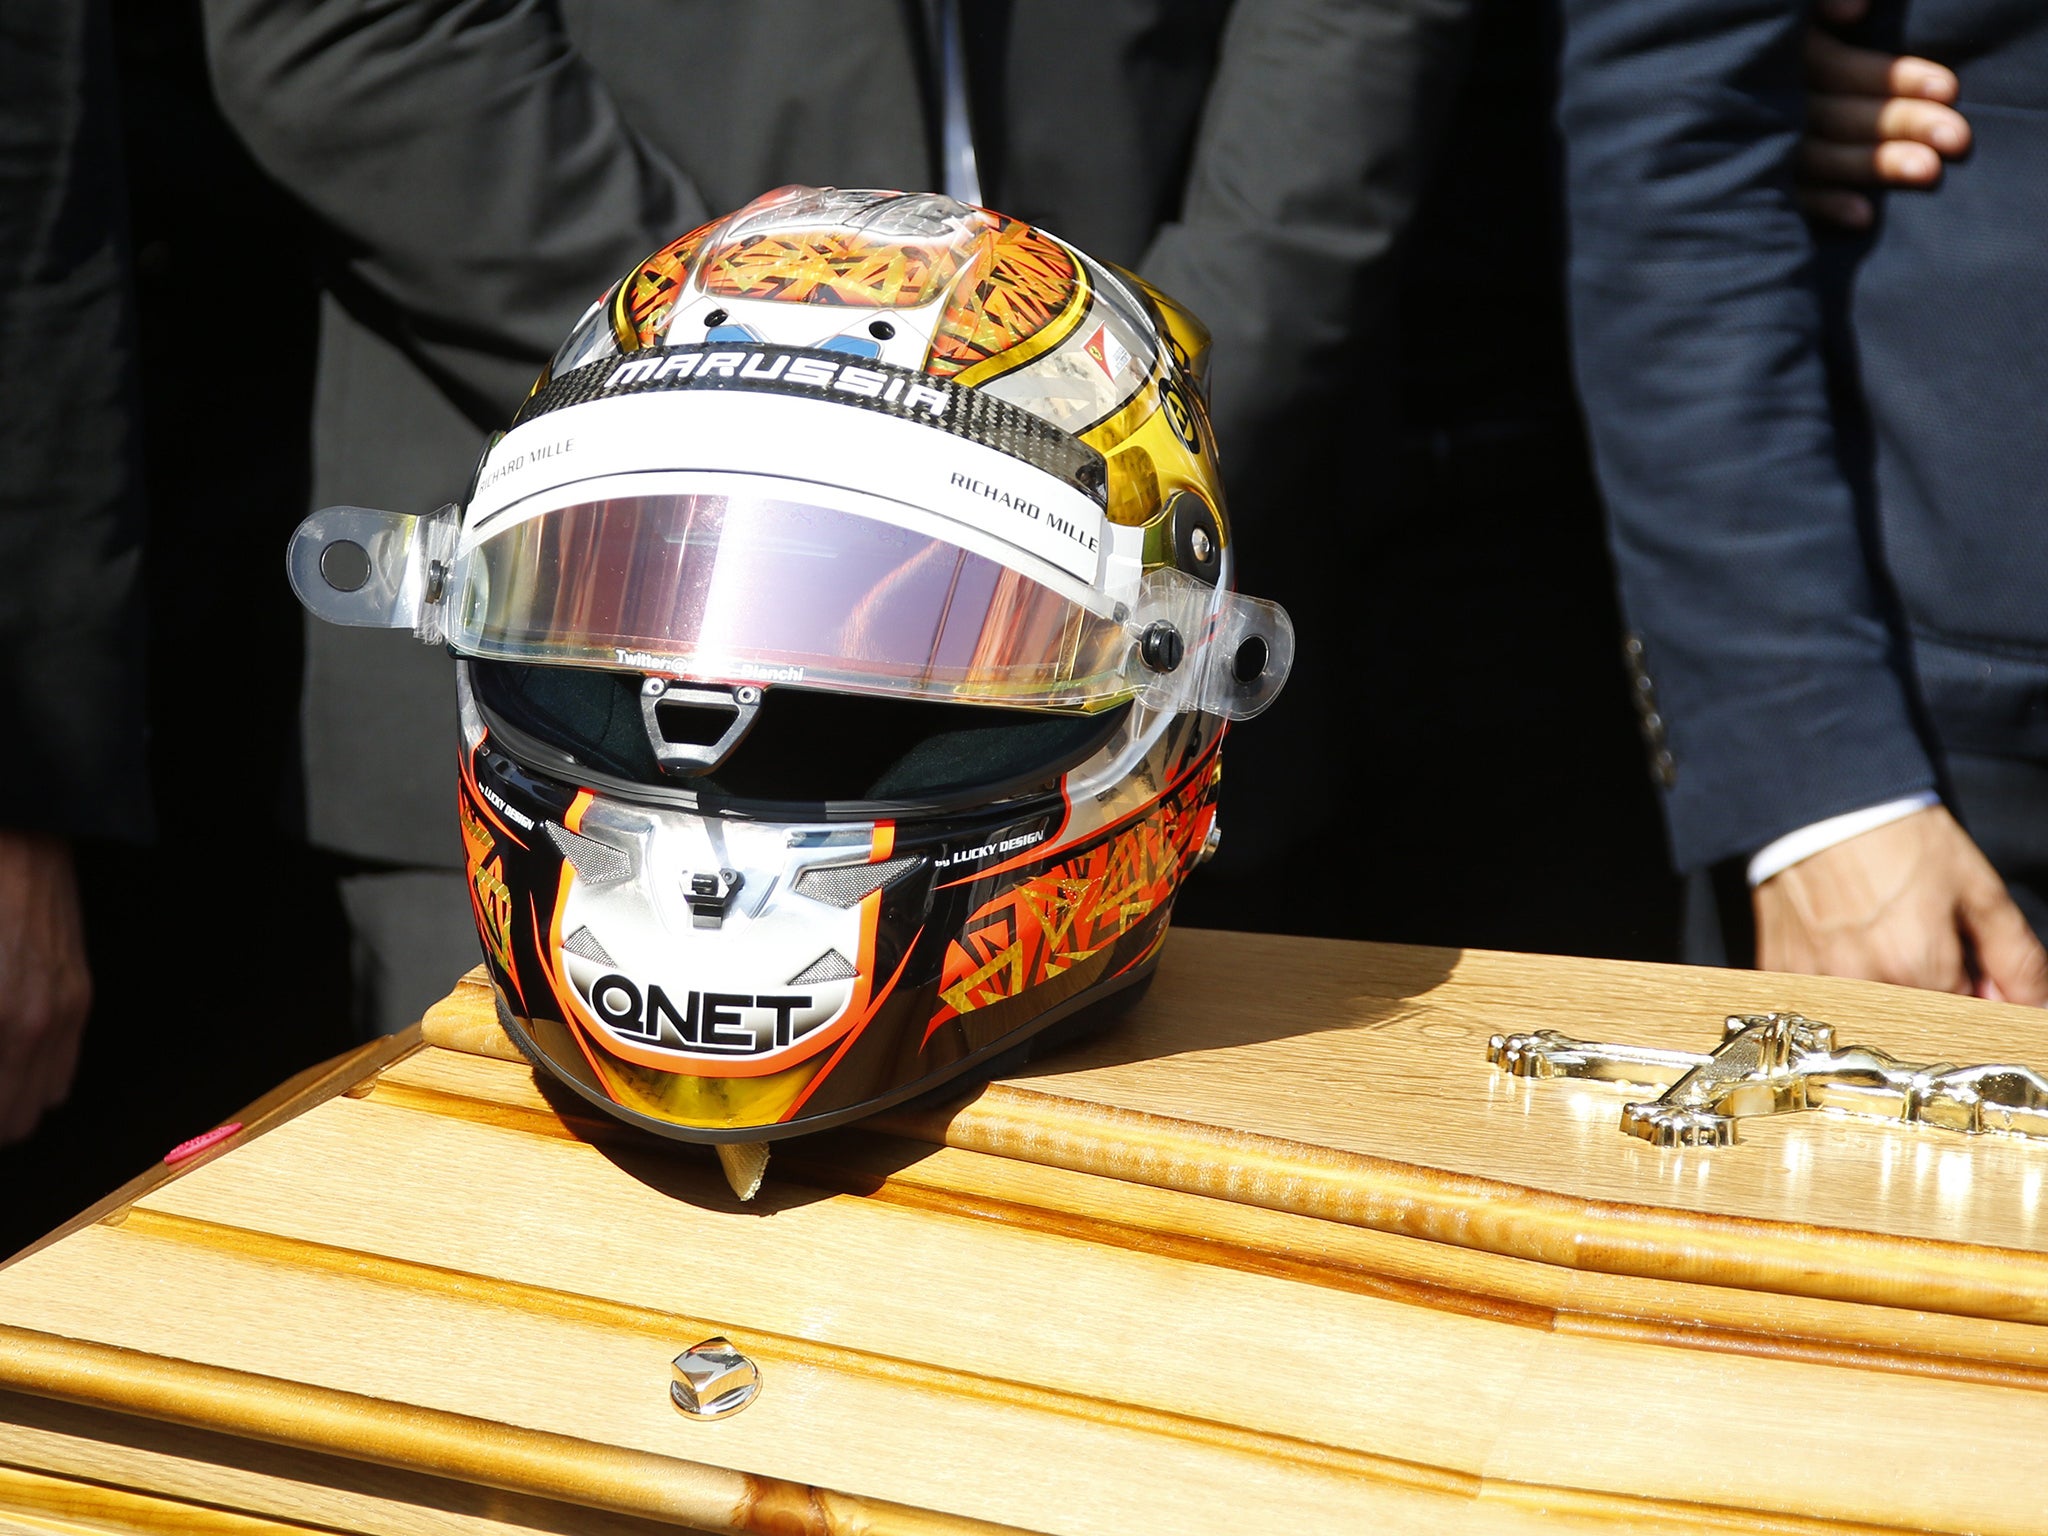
(141, 826)
(1823, 461)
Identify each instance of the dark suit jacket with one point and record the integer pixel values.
(486, 169)
(1822, 458)
(72, 742)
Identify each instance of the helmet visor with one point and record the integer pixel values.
(764, 583)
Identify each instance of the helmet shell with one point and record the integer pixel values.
(718, 968)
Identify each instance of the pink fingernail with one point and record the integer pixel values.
(199, 1144)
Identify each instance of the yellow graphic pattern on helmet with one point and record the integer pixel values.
(700, 1103)
(711, 1103)
(1160, 443)
(1022, 296)
(642, 303)
(830, 266)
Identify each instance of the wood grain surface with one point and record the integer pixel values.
(1350, 1082)
(1276, 1253)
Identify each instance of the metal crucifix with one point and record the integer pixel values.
(1773, 1063)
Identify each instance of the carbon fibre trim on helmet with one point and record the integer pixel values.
(583, 942)
(595, 863)
(830, 966)
(865, 383)
(845, 885)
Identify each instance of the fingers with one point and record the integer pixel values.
(22, 1067)
(60, 1043)
(2011, 964)
(20, 1092)
(24, 1080)
(1872, 119)
(1892, 163)
(1908, 945)
(45, 985)
(1838, 206)
(1880, 906)
(42, 1053)
(1913, 902)
(1836, 68)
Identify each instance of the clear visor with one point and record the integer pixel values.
(754, 588)
(730, 585)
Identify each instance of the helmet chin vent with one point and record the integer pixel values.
(847, 885)
(584, 943)
(595, 863)
(830, 966)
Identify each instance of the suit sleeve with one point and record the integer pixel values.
(71, 685)
(1699, 342)
(1317, 134)
(481, 181)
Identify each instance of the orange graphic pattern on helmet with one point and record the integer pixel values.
(1052, 922)
(1024, 280)
(490, 898)
(830, 266)
(649, 295)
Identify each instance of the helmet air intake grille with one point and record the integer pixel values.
(595, 863)
(830, 966)
(845, 885)
(583, 942)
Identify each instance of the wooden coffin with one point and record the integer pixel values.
(1280, 1253)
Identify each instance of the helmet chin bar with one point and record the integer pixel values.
(693, 727)
(375, 570)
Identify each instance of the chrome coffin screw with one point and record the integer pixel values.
(712, 1379)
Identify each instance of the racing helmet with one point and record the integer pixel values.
(845, 636)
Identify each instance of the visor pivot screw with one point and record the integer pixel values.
(1161, 646)
(654, 687)
(716, 317)
(747, 695)
(437, 581)
(881, 330)
(712, 1379)
(1202, 545)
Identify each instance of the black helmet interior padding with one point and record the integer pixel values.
(806, 748)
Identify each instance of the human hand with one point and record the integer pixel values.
(45, 988)
(1912, 902)
(1872, 119)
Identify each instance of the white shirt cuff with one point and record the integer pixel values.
(1773, 858)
